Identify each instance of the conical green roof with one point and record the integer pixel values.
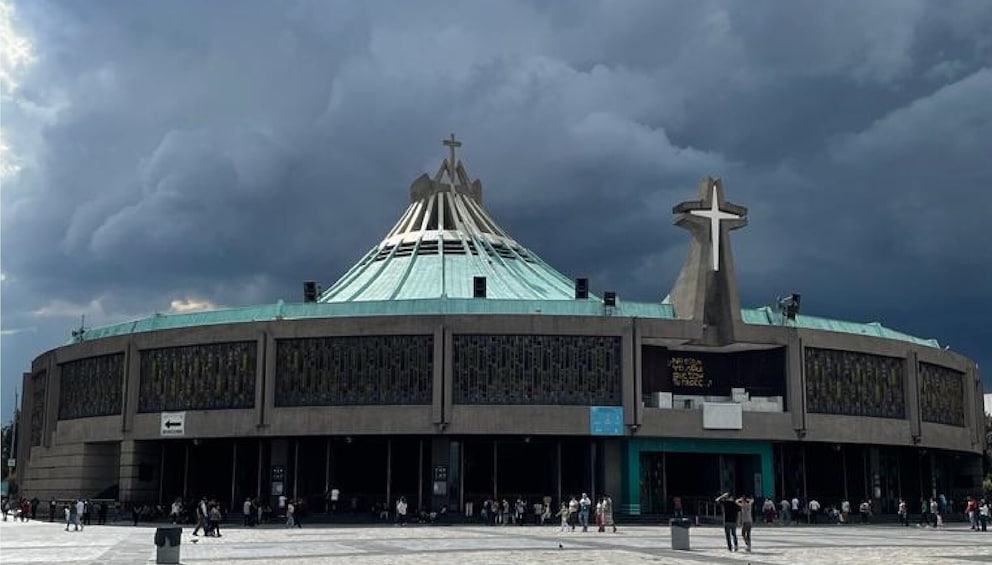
(442, 241)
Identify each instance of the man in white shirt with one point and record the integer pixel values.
(795, 510)
(246, 510)
(814, 509)
(80, 507)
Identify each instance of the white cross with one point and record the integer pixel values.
(715, 214)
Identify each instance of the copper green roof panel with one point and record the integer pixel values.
(767, 317)
(411, 307)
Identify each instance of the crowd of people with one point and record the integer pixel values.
(77, 512)
(932, 513)
(577, 511)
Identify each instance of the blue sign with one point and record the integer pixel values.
(606, 420)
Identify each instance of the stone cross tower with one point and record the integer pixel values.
(706, 289)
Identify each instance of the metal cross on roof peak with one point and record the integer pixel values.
(452, 143)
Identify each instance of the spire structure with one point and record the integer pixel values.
(444, 239)
(706, 289)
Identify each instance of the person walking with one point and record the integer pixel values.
(401, 507)
(746, 504)
(301, 512)
(768, 509)
(72, 517)
(983, 514)
(52, 507)
(585, 503)
(215, 520)
(971, 509)
(608, 513)
(573, 512)
(80, 507)
(600, 519)
(201, 517)
(903, 513)
(290, 514)
(814, 510)
(563, 514)
(783, 516)
(731, 510)
(176, 510)
(246, 512)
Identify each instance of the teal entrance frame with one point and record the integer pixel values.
(633, 447)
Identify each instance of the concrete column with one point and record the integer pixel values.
(664, 480)
(439, 394)
(161, 474)
(258, 473)
(262, 351)
(449, 375)
(102, 462)
(23, 431)
(296, 467)
(461, 476)
(327, 468)
(420, 474)
(592, 468)
(638, 416)
(612, 467)
(796, 380)
(131, 385)
(278, 457)
(186, 472)
(234, 474)
(975, 406)
(389, 472)
(268, 401)
(52, 392)
(913, 396)
(629, 392)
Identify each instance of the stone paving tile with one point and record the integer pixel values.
(41, 542)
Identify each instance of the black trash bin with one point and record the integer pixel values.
(680, 533)
(167, 544)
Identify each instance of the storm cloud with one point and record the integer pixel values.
(174, 154)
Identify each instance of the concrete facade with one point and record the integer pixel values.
(85, 456)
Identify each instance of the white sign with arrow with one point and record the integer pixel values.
(173, 424)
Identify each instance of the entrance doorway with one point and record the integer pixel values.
(696, 478)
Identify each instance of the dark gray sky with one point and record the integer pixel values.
(160, 155)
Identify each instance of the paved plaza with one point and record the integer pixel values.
(42, 542)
